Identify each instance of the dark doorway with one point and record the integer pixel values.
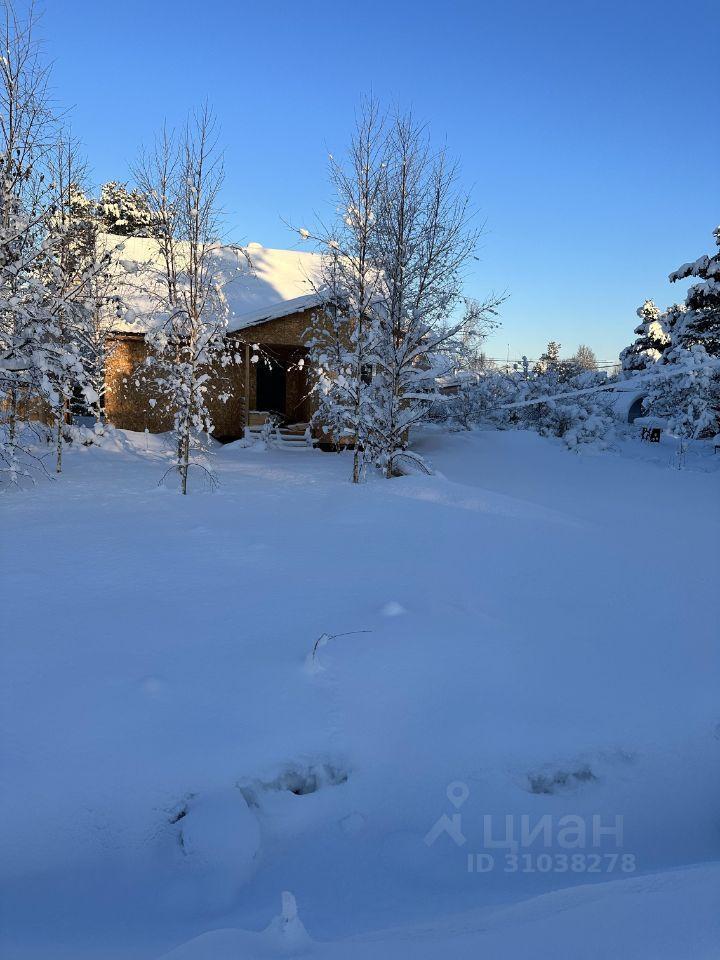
(270, 387)
(636, 409)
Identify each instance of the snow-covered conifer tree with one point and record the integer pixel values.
(653, 338)
(123, 211)
(550, 359)
(684, 385)
(700, 321)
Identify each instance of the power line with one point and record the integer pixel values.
(521, 360)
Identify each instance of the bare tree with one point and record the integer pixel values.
(32, 353)
(182, 177)
(585, 358)
(343, 334)
(156, 175)
(392, 304)
(423, 240)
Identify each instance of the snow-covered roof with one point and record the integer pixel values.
(274, 311)
(258, 283)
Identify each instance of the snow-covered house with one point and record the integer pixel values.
(269, 295)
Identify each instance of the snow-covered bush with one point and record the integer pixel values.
(573, 409)
(685, 391)
(478, 398)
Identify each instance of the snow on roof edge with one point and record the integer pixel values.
(274, 312)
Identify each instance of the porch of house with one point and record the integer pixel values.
(278, 392)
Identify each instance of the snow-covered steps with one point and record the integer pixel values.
(294, 435)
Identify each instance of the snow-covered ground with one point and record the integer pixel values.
(527, 636)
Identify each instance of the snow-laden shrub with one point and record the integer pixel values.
(550, 402)
(480, 398)
(685, 391)
(572, 409)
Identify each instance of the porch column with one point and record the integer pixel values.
(246, 404)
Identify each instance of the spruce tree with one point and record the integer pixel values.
(124, 212)
(700, 323)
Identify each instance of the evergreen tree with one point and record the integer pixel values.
(124, 212)
(551, 364)
(680, 352)
(550, 359)
(700, 321)
(653, 338)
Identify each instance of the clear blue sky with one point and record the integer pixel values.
(588, 131)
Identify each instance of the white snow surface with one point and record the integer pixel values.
(527, 632)
(258, 283)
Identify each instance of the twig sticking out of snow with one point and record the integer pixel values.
(311, 662)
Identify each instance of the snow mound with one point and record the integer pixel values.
(285, 936)
(219, 837)
(671, 915)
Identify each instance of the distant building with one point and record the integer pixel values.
(271, 296)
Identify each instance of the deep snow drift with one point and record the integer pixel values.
(529, 635)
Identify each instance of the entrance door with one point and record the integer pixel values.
(270, 387)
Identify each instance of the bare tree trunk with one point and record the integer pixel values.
(184, 465)
(184, 449)
(59, 441)
(12, 416)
